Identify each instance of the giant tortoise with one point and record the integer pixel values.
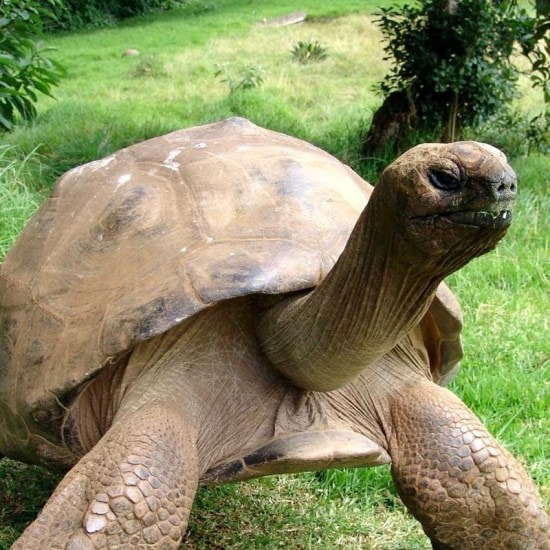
(226, 302)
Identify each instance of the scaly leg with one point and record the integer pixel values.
(466, 490)
(134, 489)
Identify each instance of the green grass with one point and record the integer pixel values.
(109, 101)
(20, 192)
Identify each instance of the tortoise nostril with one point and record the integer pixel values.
(502, 187)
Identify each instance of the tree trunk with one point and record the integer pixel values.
(391, 124)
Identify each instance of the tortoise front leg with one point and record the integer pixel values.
(133, 489)
(466, 490)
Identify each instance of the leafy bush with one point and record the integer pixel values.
(537, 50)
(24, 69)
(451, 61)
(307, 51)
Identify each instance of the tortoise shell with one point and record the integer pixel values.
(129, 246)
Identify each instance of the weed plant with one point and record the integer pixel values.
(306, 51)
(101, 108)
(246, 77)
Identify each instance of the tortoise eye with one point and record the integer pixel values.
(444, 180)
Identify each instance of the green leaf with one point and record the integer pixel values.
(25, 70)
(6, 123)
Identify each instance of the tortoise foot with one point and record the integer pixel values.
(457, 480)
(133, 489)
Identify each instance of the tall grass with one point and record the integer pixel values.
(20, 192)
(107, 102)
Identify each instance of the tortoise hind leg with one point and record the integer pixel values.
(134, 488)
(466, 490)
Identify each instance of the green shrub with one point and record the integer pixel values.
(451, 60)
(537, 49)
(24, 69)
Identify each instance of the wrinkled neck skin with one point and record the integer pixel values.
(364, 404)
(380, 287)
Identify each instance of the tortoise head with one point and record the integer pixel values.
(453, 200)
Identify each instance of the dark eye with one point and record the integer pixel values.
(444, 180)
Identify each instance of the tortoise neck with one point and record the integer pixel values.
(376, 292)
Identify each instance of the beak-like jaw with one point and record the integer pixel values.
(481, 219)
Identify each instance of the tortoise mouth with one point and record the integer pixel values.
(482, 219)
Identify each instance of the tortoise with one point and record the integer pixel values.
(226, 302)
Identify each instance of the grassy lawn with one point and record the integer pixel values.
(108, 101)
